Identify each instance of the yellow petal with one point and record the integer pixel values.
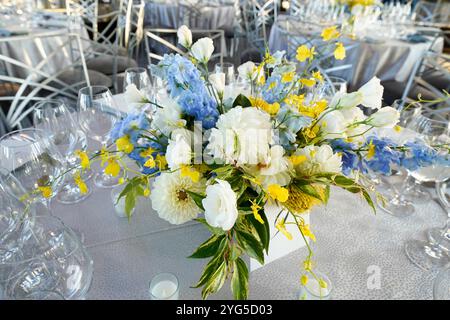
(330, 33)
(304, 280)
(150, 163)
(84, 159)
(46, 191)
(339, 52)
(112, 168)
(278, 193)
(124, 144)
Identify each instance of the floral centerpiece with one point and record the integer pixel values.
(221, 155)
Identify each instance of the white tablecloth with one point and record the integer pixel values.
(388, 60)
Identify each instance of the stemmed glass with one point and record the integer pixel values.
(97, 116)
(441, 287)
(138, 77)
(35, 162)
(227, 69)
(432, 254)
(56, 120)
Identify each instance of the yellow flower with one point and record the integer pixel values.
(300, 202)
(260, 78)
(311, 133)
(318, 107)
(288, 77)
(304, 53)
(397, 128)
(124, 144)
(121, 180)
(147, 153)
(297, 159)
(371, 151)
(295, 100)
(46, 191)
(161, 161)
(270, 108)
(269, 59)
(187, 171)
(112, 168)
(306, 231)
(308, 265)
(308, 82)
(318, 76)
(330, 33)
(80, 183)
(255, 208)
(282, 228)
(323, 284)
(304, 280)
(277, 192)
(146, 192)
(339, 52)
(104, 155)
(272, 85)
(84, 159)
(150, 163)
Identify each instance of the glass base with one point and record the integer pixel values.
(425, 256)
(87, 174)
(102, 180)
(71, 194)
(417, 194)
(313, 291)
(436, 235)
(397, 208)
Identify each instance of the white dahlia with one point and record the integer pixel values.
(170, 199)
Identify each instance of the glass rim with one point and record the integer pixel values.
(38, 105)
(38, 256)
(136, 69)
(101, 90)
(15, 132)
(321, 275)
(152, 284)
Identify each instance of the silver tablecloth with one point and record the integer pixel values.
(172, 16)
(350, 239)
(388, 60)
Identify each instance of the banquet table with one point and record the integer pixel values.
(390, 59)
(352, 245)
(172, 15)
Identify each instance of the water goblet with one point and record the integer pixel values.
(97, 116)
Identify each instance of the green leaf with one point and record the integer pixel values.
(327, 194)
(239, 280)
(212, 266)
(197, 198)
(242, 101)
(216, 280)
(208, 248)
(369, 200)
(250, 245)
(130, 202)
(343, 181)
(309, 190)
(262, 229)
(216, 231)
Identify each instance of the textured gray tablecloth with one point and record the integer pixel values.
(350, 239)
(173, 15)
(388, 60)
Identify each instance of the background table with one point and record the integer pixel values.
(350, 239)
(388, 60)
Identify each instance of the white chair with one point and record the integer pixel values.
(56, 71)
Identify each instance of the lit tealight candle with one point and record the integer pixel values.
(164, 286)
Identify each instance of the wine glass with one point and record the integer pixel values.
(433, 254)
(52, 264)
(35, 162)
(138, 77)
(227, 69)
(441, 236)
(97, 116)
(441, 287)
(56, 120)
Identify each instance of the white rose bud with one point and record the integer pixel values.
(346, 100)
(372, 93)
(245, 70)
(184, 36)
(202, 50)
(133, 95)
(386, 117)
(218, 82)
(220, 205)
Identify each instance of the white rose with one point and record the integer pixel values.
(202, 50)
(133, 95)
(179, 150)
(245, 70)
(220, 205)
(372, 93)
(277, 170)
(343, 100)
(184, 36)
(333, 125)
(319, 160)
(242, 136)
(386, 117)
(218, 82)
(167, 118)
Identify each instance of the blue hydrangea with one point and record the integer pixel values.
(132, 125)
(385, 155)
(274, 89)
(421, 155)
(350, 160)
(289, 125)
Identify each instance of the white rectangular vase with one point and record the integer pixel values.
(279, 245)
